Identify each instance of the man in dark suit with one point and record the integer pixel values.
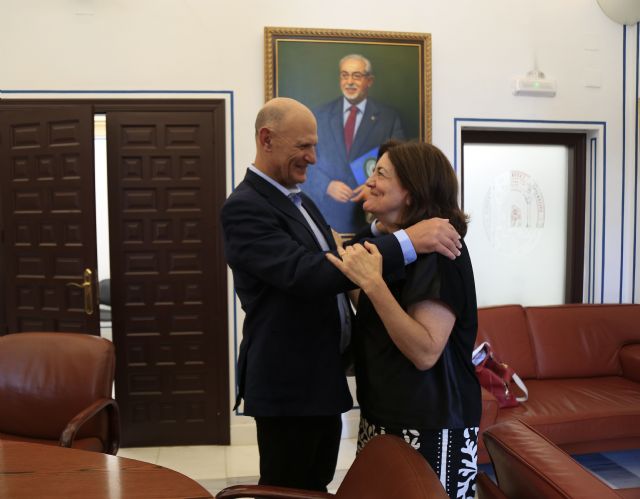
(332, 184)
(291, 372)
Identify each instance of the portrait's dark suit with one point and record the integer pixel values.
(290, 362)
(379, 123)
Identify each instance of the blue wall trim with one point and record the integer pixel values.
(635, 177)
(624, 157)
(594, 181)
(604, 210)
(592, 222)
(232, 122)
(455, 146)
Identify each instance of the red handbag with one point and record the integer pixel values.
(497, 377)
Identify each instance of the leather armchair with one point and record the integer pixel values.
(55, 388)
(530, 466)
(387, 467)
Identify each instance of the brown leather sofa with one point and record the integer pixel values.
(528, 466)
(581, 365)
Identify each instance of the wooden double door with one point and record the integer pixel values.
(166, 183)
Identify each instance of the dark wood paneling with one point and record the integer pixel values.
(188, 296)
(48, 216)
(166, 186)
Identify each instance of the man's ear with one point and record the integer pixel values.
(265, 137)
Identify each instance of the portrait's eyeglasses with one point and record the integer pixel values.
(357, 76)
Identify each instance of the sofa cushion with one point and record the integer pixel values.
(580, 409)
(572, 341)
(504, 327)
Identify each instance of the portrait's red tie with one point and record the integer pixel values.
(349, 127)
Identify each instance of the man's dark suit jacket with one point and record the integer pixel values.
(379, 123)
(290, 362)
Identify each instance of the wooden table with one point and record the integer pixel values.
(36, 471)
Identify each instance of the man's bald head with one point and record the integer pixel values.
(276, 112)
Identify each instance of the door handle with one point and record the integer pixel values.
(87, 286)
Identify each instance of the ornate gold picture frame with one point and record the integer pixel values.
(386, 74)
(302, 63)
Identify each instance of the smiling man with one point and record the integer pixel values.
(297, 320)
(348, 128)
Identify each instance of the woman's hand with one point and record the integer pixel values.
(361, 264)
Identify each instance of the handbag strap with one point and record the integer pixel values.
(482, 351)
(518, 381)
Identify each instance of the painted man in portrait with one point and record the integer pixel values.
(350, 129)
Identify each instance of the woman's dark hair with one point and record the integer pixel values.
(425, 172)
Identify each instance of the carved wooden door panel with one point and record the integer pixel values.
(168, 276)
(48, 219)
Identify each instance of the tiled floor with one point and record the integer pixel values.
(216, 467)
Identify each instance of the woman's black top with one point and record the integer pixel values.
(391, 390)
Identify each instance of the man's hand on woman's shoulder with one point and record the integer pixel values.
(435, 235)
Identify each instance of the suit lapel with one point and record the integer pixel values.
(279, 201)
(337, 126)
(317, 217)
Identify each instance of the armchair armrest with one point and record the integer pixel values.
(113, 415)
(527, 464)
(269, 492)
(630, 360)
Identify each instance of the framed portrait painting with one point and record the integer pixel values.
(381, 79)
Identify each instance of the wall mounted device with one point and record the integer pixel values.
(534, 84)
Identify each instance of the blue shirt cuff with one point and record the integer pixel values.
(408, 250)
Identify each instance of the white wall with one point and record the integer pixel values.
(478, 47)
